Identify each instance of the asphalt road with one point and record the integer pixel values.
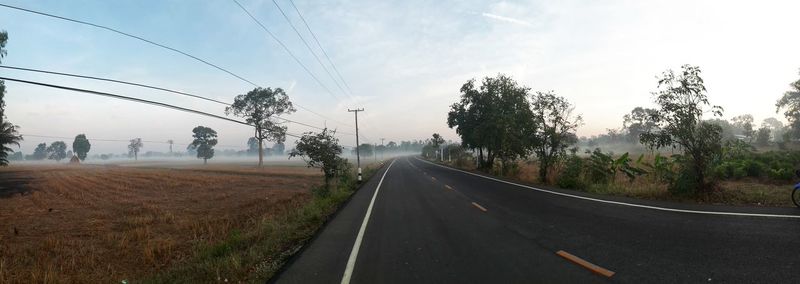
(428, 225)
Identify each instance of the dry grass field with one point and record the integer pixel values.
(89, 224)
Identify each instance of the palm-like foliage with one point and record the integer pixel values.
(8, 136)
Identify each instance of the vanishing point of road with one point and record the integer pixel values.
(418, 222)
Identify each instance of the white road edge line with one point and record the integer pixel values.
(623, 203)
(351, 263)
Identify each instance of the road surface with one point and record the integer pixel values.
(432, 224)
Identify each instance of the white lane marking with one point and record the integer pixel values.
(351, 263)
(623, 203)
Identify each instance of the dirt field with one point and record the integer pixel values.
(80, 224)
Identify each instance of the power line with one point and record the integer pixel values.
(147, 86)
(126, 98)
(131, 36)
(159, 45)
(310, 49)
(138, 100)
(286, 49)
(320, 47)
(114, 81)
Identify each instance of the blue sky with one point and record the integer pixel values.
(404, 60)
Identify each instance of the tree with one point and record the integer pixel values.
(791, 103)
(40, 153)
(57, 151)
(494, 117)
(762, 138)
(205, 139)
(81, 146)
(365, 150)
(745, 123)
(252, 146)
(437, 141)
(3, 52)
(134, 147)
(555, 131)
(637, 122)
(278, 148)
(8, 136)
(170, 142)
(321, 150)
(258, 107)
(775, 126)
(681, 99)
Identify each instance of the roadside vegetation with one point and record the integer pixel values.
(678, 149)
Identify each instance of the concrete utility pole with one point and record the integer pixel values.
(358, 156)
(383, 148)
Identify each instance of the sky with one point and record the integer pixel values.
(404, 61)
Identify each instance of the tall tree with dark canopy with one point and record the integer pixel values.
(555, 131)
(40, 153)
(321, 150)
(790, 102)
(81, 146)
(637, 122)
(57, 151)
(252, 146)
(681, 99)
(437, 141)
(205, 139)
(134, 146)
(494, 118)
(258, 107)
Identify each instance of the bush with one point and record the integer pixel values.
(571, 176)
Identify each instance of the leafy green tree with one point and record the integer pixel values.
(637, 122)
(8, 136)
(40, 153)
(204, 141)
(494, 118)
(57, 151)
(681, 99)
(437, 141)
(556, 126)
(133, 148)
(745, 123)
(258, 107)
(321, 150)
(791, 103)
(762, 137)
(81, 146)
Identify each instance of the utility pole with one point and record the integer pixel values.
(383, 148)
(358, 156)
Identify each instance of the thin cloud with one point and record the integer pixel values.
(507, 19)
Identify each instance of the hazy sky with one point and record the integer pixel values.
(404, 60)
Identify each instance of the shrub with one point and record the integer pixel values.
(571, 176)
